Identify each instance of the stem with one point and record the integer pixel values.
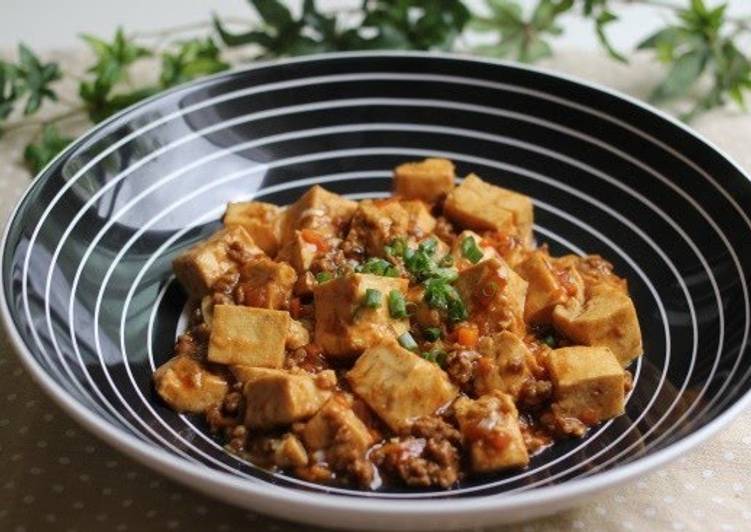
(20, 124)
(183, 28)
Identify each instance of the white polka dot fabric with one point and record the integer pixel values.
(56, 476)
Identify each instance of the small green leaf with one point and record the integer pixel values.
(681, 77)
(273, 13)
(193, 59)
(34, 79)
(38, 155)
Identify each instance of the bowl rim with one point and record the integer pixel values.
(204, 477)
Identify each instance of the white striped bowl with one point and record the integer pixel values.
(90, 304)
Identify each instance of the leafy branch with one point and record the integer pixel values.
(706, 65)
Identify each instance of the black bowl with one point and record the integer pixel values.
(90, 302)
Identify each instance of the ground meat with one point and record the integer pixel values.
(426, 456)
(628, 381)
(436, 428)
(536, 437)
(308, 358)
(348, 461)
(461, 365)
(194, 343)
(445, 231)
(562, 426)
(534, 393)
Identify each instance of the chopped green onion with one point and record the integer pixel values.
(396, 247)
(456, 309)
(391, 271)
(470, 250)
(436, 356)
(428, 246)
(372, 298)
(447, 261)
(447, 274)
(407, 342)
(322, 277)
(377, 266)
(432, 333)
(397, 305)
(549, 340)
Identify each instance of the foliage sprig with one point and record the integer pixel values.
(700, 46)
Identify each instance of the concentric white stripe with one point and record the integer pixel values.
(202, 192)
(278, 501)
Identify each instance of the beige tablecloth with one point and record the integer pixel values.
(54, 475)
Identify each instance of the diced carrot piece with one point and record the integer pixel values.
(312, 236)
(466, 336)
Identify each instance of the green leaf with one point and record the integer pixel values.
(273, 13)
(193, 59)
(34, 79)
(681, 77)
(602, 20)
(114, 57)
(524, 38)
(38, 155)
(534, 50)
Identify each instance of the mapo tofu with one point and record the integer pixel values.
(408, 342)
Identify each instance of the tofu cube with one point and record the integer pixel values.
(289, 452)
(398, 385)
(201, 266)
(462, 262)
(297, 335)
(278, 397)
(607, 318)
(375, 224)
(490, 425)
(588, 383)
(550, 284)
(260, 220)
(503, 365)
(344, 328)
(317, 209)
(249, 336)
(481, 206)
(245, 374)
(428, 180)
(336, 424)
(298, 252)
(266, 283)
(420, 222)
(494, 295)
(186, 386)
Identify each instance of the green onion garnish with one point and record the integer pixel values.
(470, 250)
(397, 305)
(407, 342)
(372, 298)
